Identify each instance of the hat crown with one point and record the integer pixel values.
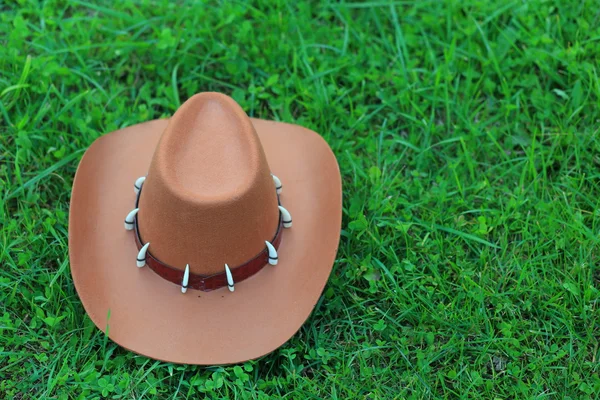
(209, 198)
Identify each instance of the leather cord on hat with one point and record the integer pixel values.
(207, 283)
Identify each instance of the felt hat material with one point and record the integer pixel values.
(207, 198)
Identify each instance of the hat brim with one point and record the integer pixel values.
(148, 315)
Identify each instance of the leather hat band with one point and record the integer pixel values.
(207, 283)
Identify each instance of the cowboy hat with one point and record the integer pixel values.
(181, 238)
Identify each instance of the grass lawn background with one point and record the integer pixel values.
(467, 136)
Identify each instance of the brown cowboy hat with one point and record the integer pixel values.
(207, 267)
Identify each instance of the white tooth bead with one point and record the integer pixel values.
(278, 185)
(129, 219)
(287, 218)
(272, 253)
(186, 278)
(137, 186)
(141, 257)
(230, 282)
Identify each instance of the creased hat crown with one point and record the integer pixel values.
(209, 198)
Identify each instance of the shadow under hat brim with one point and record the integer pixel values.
(149, 315)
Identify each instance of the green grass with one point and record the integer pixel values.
(467, 136)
